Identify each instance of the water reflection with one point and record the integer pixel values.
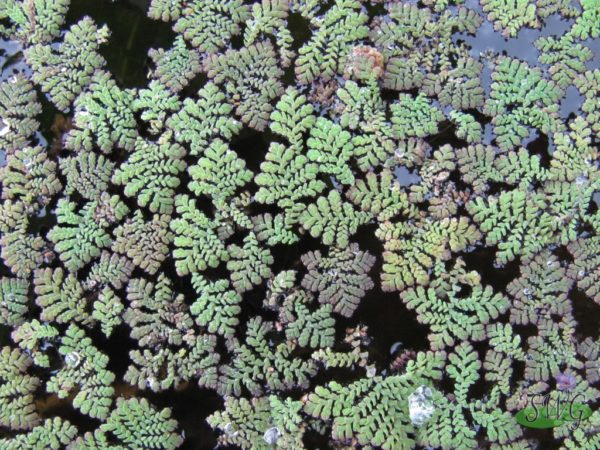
(571, 102)
(11, 60)
(521, 47)
(406, 177)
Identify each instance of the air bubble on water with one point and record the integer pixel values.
(420, 405)
(72, 359)
(395, 347)
(151, 382)
(229, 430)
(6, 129)
(272, 435)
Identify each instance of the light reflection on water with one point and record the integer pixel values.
(11, 60)
(405, 177)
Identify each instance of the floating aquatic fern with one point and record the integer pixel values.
(17, 389)
(176, 66)
(84, 369)
(64, 71)
(18, 110)
(341, 278)
(325, 54)
(197, 243)
(103, 117)
(151, 174)
(79, 236)
(230, 218)
(251, 78)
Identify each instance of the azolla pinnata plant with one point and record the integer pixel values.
(215, 255)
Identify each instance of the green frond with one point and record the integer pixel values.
(292, 117)
(165, 10)
(259, 364)
(150, 174)
(540, 291)
(467, 128)
(324, 55)
(37, 21)
(134, 423)
(381, 196)
(84, 372)
(156, 103)
(218, 174)
(53, 434)
(509, 16)
(286, 177)
(217, 307)
(341, 278)
(176, 66)
(459, 87)
(263, 423)
(585, 266)
(251, 77)
(269, 18)
(200, 121)
(197, 243)
(332, 219)
(108, 311)
(14, 301)
(61, 297)
(111, 269)
(249, 264)
(103, 117)
(209, 25)
(453, 317)
(87, 174)
(79, 236)
(516, 221)
(411, 250)
(17, 391)
(29, 176)
(330, 147)
(312, 329)
(145, 242)
(19, 108)
(521, 99)
(22, 252)
(414, 117)
(64, 71)
(587, 85)
(156, 314)
(32, 338)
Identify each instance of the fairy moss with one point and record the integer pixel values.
(208, 238)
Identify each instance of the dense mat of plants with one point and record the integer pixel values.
(222, 225)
